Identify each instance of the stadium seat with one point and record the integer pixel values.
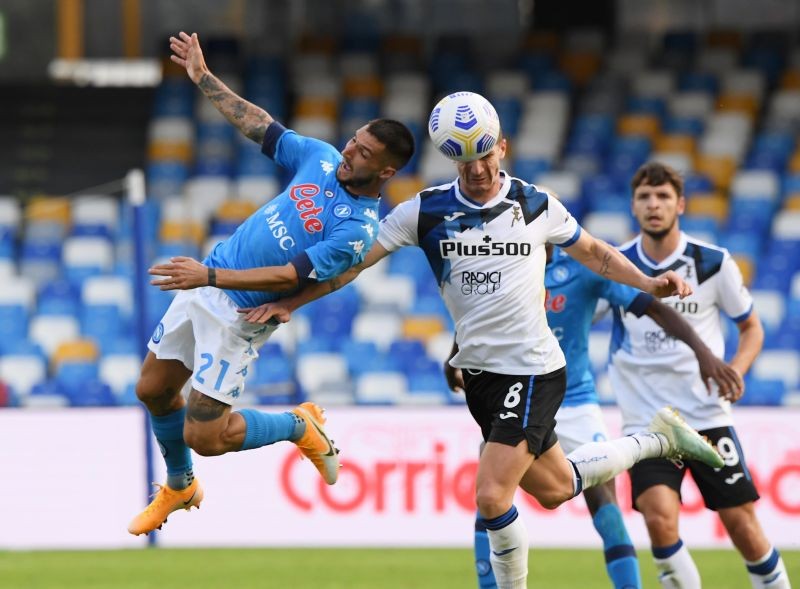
(119, 372)
(771, 308)
(47, 394)
(86, 256)
(109, 290)
(13, 322)
(391, 292)
(381, 388)
(316, 371)
(49, 331)
(22, 372)
(20, 291)
(422, 327)
(78, 350)
(612, 227)
(779, 364)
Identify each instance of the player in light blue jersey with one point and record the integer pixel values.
(572, 294)
(323, 223)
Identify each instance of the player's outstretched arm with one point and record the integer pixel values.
(282, 309)
(246, 116)
(602, 258)
(729, 381)
(182, 273)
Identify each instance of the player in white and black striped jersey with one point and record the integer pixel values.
(650, 369)
(484, 235)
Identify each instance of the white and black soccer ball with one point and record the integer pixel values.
(464, 126)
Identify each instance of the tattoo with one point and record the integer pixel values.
(248, 118)
(203, 408)
(604, 265)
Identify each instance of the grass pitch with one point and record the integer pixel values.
(331, 569)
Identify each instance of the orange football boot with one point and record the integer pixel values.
(315, 444)
(165, 501)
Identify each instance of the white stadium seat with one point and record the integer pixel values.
(22, 372)
(771, 307)
(779, 364)
(379, 327)
(81, 252)
(108, 290)
(257, 189)
(318, 370)
(381, 387)
(49, 331)
(653, 83)
(613, 227)
(566, 185)
(118, 371)
(395, 292)
(19, 291)
(96, 209)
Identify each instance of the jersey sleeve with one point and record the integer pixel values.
(562, 228)
(288, 149)
(399, 227)
(733, 296)
(621, 295)
(346, 246)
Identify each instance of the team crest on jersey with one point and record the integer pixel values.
(560, 274)
(517, 212)
(342, 211)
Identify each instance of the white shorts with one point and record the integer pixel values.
(578, 425)
(203, 329)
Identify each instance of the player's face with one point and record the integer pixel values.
(657, 209)
(363, 161)
(480, 178)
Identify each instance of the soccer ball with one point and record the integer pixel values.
(464, 126)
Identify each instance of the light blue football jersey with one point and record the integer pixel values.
(314, 214)
(572, 294)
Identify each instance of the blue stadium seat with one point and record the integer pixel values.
(763, 392)
(698, 82)
(93, 393)
(683, 125)
(13, 322)
(650, 105)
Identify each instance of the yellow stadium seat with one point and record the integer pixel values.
(719, 168)
(48, 209)
(403, 188)
(541, 40)
(713, 205)
(422, 327)
(743, 103)
(161, 151)
(794, 163)
(316, 107)
(579, 66)
(402, 44)
(235, 210)
(191, 231)
(746, 266)
(790, 80)
(639, 124)
(363, 87)
(676, 143)
(317, 44)
(792, 202)
(720, 38)
(80, 350)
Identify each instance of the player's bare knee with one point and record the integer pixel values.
(492, 501)
(660, 522)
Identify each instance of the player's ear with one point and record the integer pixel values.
(502, 147)
(387, 173)
(681, 204)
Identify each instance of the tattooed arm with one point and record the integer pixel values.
(602, 258)
(246, 116)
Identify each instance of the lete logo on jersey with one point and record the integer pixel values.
(302, 194)
(556, 303)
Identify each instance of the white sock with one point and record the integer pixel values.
(598, 462)
(677, 570)
(768, 571)
(509, 550)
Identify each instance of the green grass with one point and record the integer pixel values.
(329, 569)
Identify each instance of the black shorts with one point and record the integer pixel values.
(510, 409)
(730, 486)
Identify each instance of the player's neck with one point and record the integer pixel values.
(660, 248)
(482, 196)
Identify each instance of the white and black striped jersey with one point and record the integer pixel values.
(489, 261)
(650, 369)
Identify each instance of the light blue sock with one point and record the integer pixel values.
(168, 430)
(483, 566)
(267, 428)
(621, 562)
